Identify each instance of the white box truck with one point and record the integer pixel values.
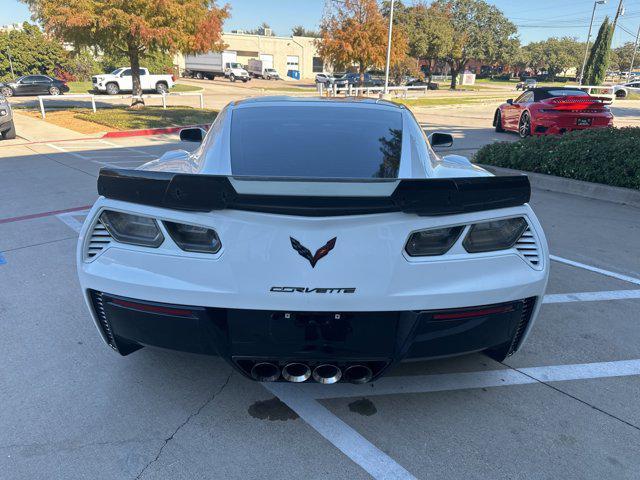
(215, 64)
(260, 69)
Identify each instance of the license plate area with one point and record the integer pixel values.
(584, 122)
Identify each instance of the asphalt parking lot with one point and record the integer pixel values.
(565, 406)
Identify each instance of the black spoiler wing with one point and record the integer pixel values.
(204, 193)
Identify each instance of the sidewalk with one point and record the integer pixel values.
(31, 129)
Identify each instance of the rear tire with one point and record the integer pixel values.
(524, 126)
(232, 78)
(621, 94)
(498, 121)
(112, 88)
(499, 353)
(199, 75)
(55, 91)
(11, 133)
(162, 88)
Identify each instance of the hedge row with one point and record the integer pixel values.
(610, 156)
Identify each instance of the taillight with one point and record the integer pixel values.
(434, 241)
(192, 238)
(132, 229)
(494, 235)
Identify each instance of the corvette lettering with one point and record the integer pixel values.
(311, 290)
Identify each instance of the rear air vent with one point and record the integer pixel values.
(527, 246)
(99, 239)
(528, 305)
(98, 305)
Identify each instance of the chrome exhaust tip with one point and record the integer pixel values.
(265, 372)
(296, 372)
(327, 374)
(358, 374)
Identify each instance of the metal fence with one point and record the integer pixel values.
(92, 98)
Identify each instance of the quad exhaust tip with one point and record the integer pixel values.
(327, 374)
(265, 372)
(296, 372)
(358, 374)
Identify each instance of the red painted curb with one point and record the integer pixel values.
(151, 131)
(44, 214)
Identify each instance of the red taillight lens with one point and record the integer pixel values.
(143, 307)
(481, 312)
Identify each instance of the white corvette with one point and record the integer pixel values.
(313, 240)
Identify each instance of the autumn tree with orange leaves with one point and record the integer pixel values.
(134, 27)
(355, 32)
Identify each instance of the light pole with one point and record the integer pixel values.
(586, 50)
(633, 57)
(386, 70)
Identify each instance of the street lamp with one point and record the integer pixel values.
(386, 70)
(586, 50)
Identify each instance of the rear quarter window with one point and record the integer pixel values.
(315, 141)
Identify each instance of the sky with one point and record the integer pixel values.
(536, 19)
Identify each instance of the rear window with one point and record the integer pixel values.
(316, 142)
(560, 92)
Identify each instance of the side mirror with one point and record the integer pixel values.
(438, 139)
(192, 134)
(510, 101)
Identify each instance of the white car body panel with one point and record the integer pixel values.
(369, 254)
(125, 82)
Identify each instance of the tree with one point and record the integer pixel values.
(300, 31)
(480, 32)
(429, 32)
(263, 29)
(31, 51)
(620, 58)
(355, 32)
(596, 69)
(134, 27)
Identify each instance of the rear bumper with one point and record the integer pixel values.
(246, 337)
(554, 125)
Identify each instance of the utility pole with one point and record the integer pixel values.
(633, 57)
(386, 71)
(586, 50)
(615, 20)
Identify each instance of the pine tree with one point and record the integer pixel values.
(596, 68)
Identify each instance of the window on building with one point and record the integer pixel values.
(318, 65)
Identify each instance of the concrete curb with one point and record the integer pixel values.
(597, 191)
(151, 131)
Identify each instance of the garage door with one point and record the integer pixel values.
(267, 60)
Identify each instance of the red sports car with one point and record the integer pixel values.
(552, 110)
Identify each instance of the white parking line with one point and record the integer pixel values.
(601, 271)
(63, 150)
(373, 460)
(73, 220)
(468, 380)
(591, 296)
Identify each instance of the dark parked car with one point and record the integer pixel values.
(7, 128)
(423, 83)
(355, 80)
(34, 85)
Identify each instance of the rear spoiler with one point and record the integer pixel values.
(205, 193)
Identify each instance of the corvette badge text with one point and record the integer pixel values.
(311, 290)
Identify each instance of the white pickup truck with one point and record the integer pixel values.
(120, 80)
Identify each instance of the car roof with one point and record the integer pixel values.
(287, 100)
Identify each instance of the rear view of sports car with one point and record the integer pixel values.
(552, 110)
(313, 240)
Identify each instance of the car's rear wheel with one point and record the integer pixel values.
(6, 91)
(524, 127)
(621, 93)
(162, 88)
(112, 88)
(199, 75)
(497, 122)
(54, 91)
(10, 134)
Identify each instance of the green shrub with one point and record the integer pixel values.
(610, 156)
